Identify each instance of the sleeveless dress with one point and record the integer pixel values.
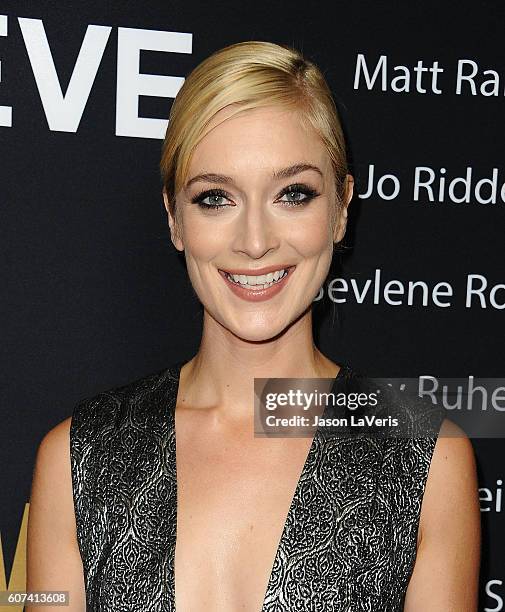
(350, 535)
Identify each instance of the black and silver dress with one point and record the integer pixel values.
(349, 540)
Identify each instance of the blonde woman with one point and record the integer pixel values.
(126, 514)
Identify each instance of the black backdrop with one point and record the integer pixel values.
(94, 294)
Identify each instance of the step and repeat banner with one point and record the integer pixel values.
(94, 294)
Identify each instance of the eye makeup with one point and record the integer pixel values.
(296, 188)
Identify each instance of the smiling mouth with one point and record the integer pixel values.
(257, 282)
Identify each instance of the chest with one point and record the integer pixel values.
(267, 525)
(234, 495)
(183, 525)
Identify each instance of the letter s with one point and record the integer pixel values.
(497, 598)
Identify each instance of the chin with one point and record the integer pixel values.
(259, 331)
(257, 336)
(260, 326)
(252, 328)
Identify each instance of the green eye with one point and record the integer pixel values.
(218, 194)
(299, 189)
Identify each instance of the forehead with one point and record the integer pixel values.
(259, 139)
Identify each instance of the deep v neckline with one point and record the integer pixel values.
(175, 370)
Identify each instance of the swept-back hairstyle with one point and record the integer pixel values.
(249, 75)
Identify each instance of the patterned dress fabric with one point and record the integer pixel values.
(349, 540)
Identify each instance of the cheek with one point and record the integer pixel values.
(311, 235)
(203, 238)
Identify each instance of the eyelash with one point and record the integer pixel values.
(296, 188)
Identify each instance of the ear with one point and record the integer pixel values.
(341, 224)
(175, 233)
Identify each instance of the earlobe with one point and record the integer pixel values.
(349, 189)
(165, 201)
(173, 225)
(341, 224)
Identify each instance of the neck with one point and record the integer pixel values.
(221, 375)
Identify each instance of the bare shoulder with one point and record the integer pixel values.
(52, 472)
(53, 558)
(453, 453)
(446, 570)
(56, 442)
(52, 463)
(451, 488)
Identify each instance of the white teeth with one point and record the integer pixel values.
(264, 279)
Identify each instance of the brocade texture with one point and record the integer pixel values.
(349, 540)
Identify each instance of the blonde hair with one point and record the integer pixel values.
(249, 74)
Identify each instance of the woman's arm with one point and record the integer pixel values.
(446, 571)
(53, 558)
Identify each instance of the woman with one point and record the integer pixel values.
(256, 187)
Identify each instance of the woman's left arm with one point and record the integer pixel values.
(446, 571)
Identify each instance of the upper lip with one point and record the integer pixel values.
(259, 271)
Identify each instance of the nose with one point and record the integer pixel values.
(257, 232)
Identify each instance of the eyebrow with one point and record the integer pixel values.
(279, 174)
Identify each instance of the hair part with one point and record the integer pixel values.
(242, 76)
